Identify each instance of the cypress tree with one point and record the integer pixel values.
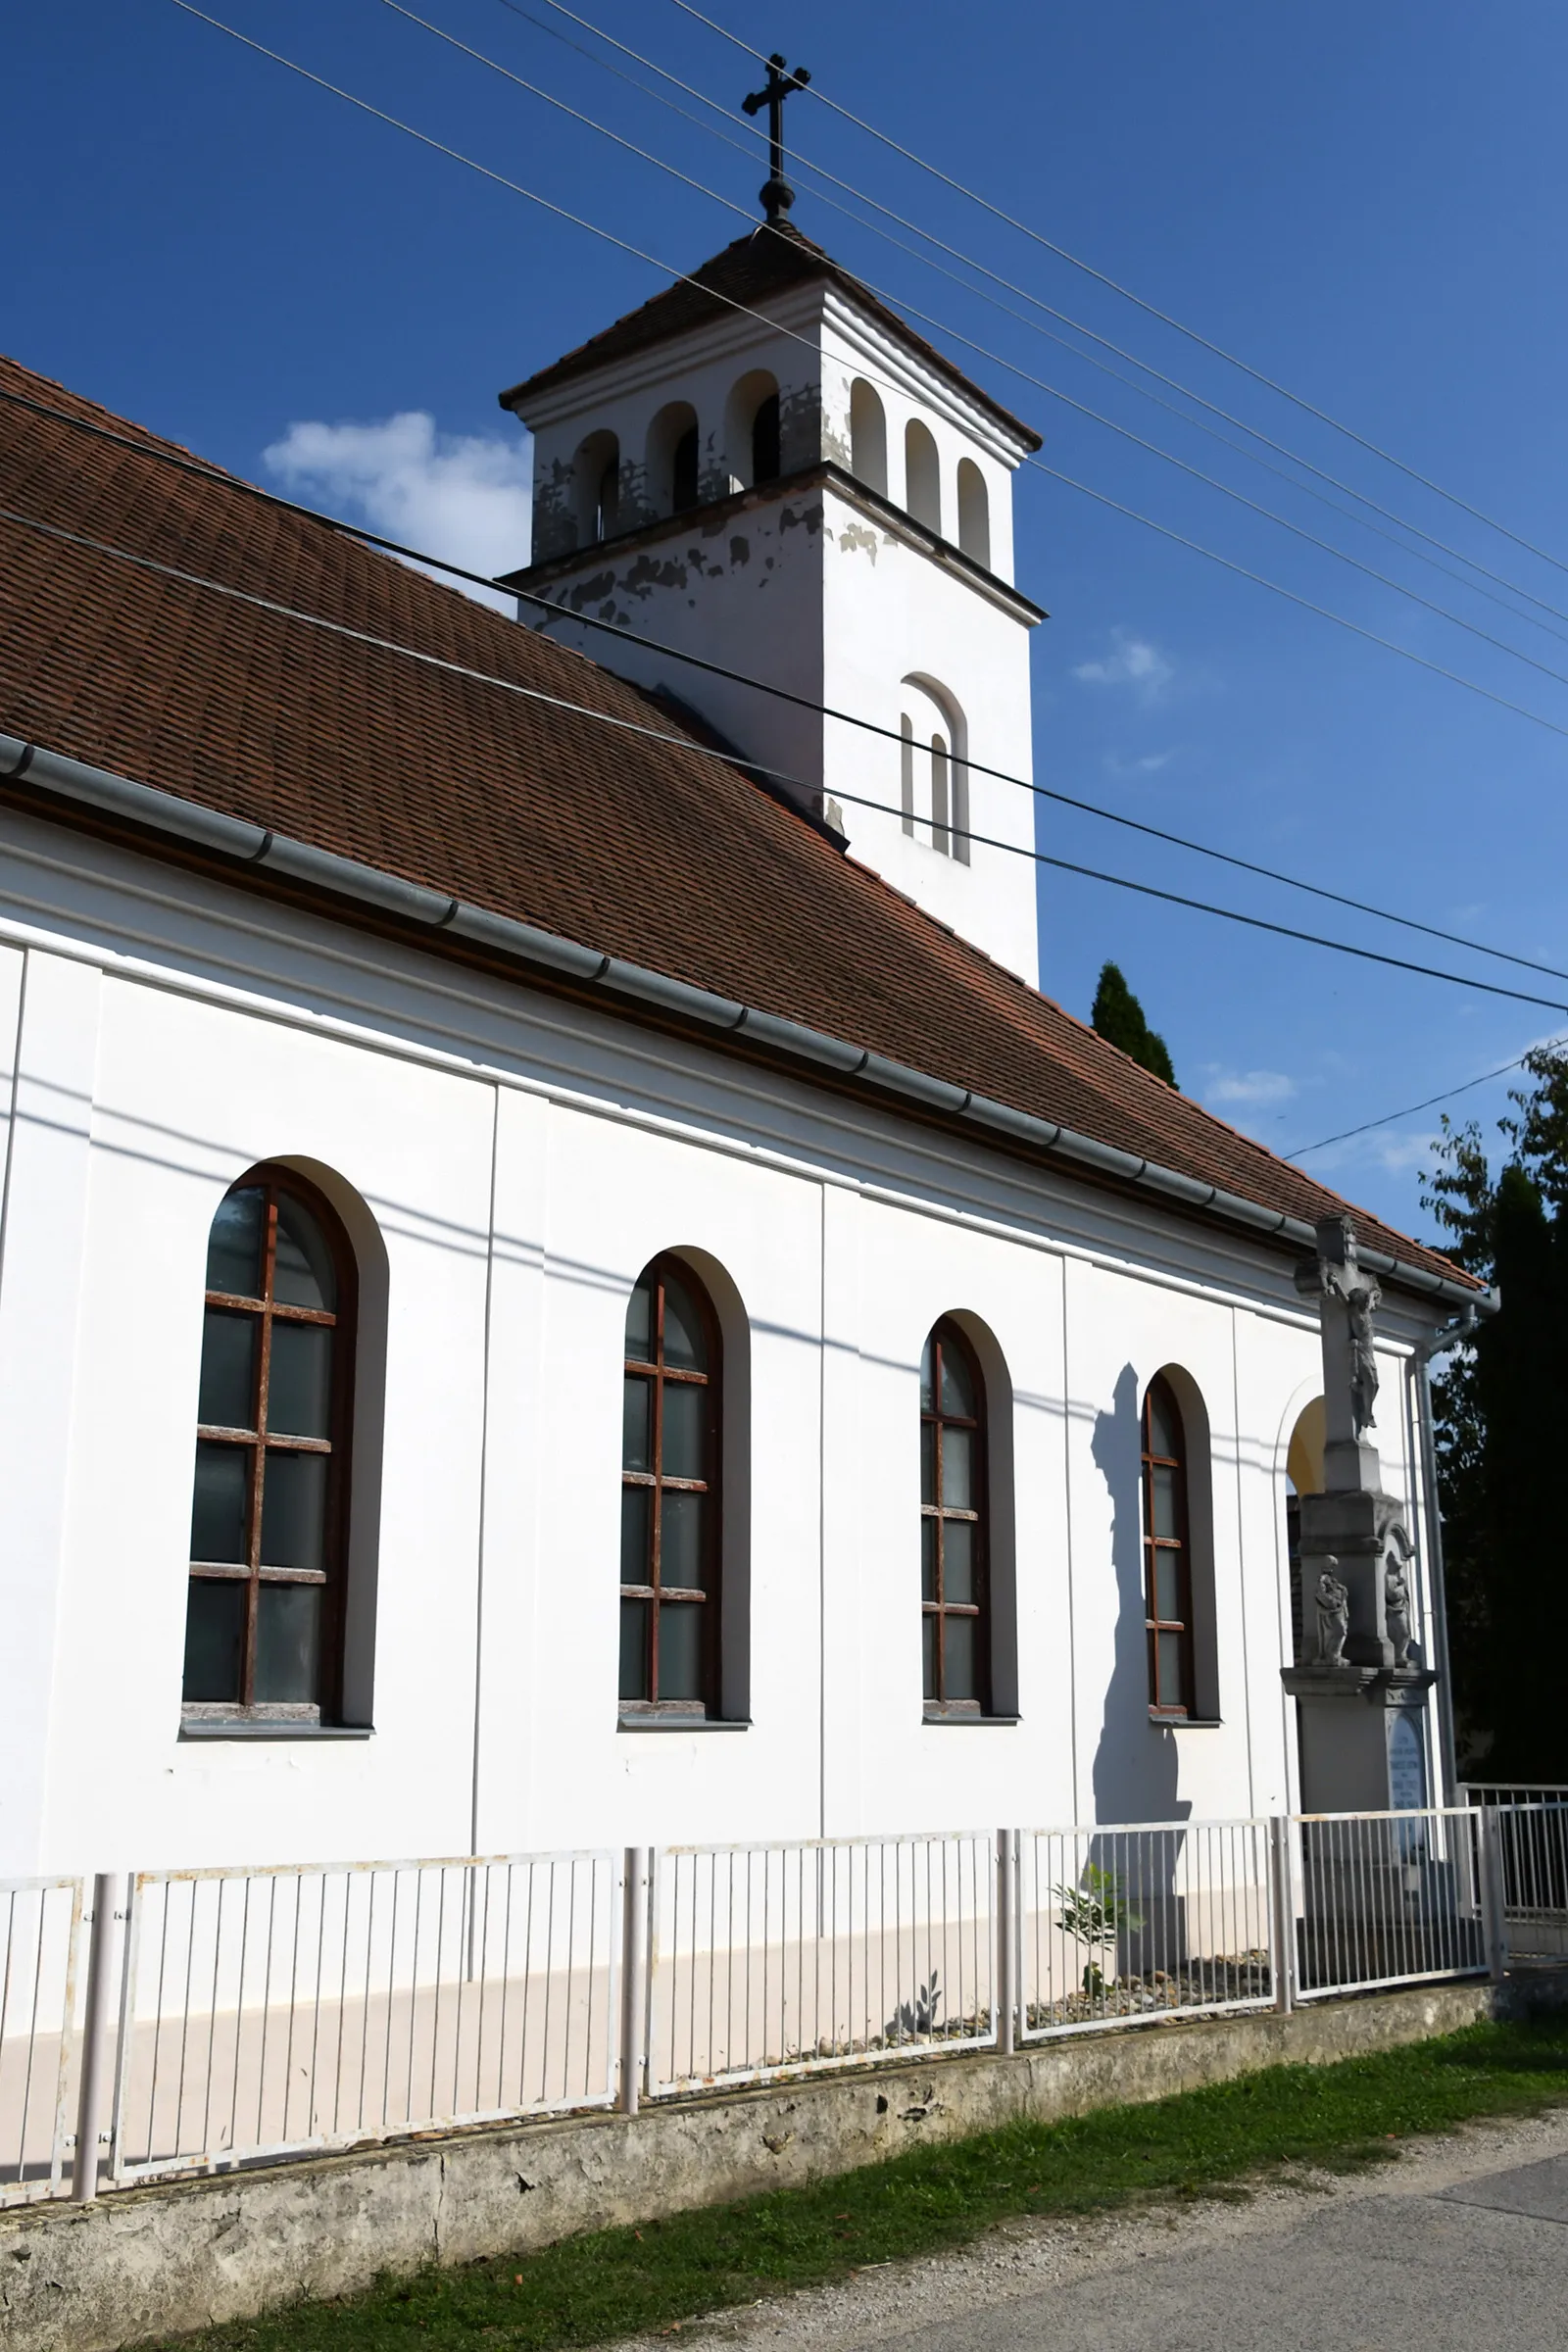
(1118, 1018)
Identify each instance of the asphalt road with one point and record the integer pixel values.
(1460, 2245)
(1482, 2266)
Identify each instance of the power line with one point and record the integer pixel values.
(1346, 1133)
(944, 327)
(1153, 311)
(1044, 792)
(685, 277)
(692, 744)
(1048, 310)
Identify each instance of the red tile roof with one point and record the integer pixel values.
(655, 853)
(767, 263)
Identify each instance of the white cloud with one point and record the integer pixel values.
(1148, 766)
(1254, 1089)
(466, 497)
(1133, 663)
(1399, 1154)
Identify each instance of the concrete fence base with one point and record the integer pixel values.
(159, 2259)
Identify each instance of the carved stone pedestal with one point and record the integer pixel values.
(1362, 1730)
(1359, 1690)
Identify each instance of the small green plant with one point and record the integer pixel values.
(1096, 1912)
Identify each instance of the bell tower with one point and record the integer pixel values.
(765, 467)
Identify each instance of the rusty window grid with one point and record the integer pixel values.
(935, 1606)
(259, 1440)
(1168, 1696)
(659, 1375)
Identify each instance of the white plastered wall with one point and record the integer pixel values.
(522, 1162)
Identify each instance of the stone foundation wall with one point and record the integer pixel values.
(153, 2261)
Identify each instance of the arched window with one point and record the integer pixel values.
(764, 441)
(953, 1597)
(270, 1513)
(673, 459)
(868, 437)
(1167, 1554)
(751, 430)
(922, 475)
(683, 472)
(596, 477)
(974, 513)
(933, 782)
(669, 1498)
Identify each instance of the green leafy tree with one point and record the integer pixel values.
(1502, 1411)
(1118, 1018)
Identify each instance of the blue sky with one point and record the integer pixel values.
(1368, 204)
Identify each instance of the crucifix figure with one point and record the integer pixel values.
(777, 196)
(1347, 1300)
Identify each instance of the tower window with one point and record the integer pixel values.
(596, 487)
(868, 437)
(974, 513)
(934, 785)
(673, 448)
(764, 441)
(683, 485)
(606, 502)
(922, 475)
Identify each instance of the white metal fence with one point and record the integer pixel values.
(1387, 1898)
(229, 2017)
(1149, 1921)
(40, 1936)
(1531, 1865)
(270, 2013)
(769, 1958)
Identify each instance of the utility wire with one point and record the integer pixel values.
(1046, 309)
(944, 327)
(1126, 293)
(690, 744)
(745, 310)
(1044, 792)
(1367, 1125)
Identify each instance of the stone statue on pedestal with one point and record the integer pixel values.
(1333, 1616)
(1397, 1600)
(1356, 1555)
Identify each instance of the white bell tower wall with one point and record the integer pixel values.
(869, 569)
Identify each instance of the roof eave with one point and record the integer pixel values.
(237, 846)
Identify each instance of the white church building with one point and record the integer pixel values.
(561, 1285)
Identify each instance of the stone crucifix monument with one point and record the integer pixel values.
(1356, 1674)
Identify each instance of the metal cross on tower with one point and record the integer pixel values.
(777, 196)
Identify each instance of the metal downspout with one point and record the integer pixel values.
(1461, 1329)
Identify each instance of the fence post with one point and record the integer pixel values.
(633, 1977)
(1283, 1921)
(1007, 1987)
(1493, 1899)
(94, 2072)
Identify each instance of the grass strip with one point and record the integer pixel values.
(615, 2282)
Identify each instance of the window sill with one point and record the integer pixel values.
(683, 1722)
(983, 1723)
(1186, 1723)
(196, 1729)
